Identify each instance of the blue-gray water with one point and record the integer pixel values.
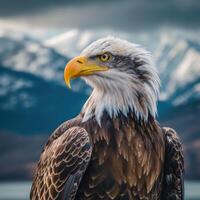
(20, 190)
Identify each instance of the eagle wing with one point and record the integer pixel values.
(62, 165)
(173, 185)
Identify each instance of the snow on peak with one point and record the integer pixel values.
(189, 68)
(28, 55)
(71, 42)
(57, 40)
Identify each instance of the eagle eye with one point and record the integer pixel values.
(104, 57)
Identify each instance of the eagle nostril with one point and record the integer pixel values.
(79, 61)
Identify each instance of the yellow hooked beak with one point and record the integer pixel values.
(80, 66)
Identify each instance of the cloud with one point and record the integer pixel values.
(128, 15)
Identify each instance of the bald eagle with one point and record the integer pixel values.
(115, 148)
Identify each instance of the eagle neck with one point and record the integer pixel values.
(115, 103)
(127, 142)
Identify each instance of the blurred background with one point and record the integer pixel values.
(37, 38)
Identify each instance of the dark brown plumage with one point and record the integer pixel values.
(106, 166)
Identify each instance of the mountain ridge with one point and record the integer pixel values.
(34, 99)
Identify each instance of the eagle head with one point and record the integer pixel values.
(122, 75)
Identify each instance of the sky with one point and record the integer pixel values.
(134, 15)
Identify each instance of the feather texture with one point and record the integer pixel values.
(120, 160)
(61, 166)
(173, 183)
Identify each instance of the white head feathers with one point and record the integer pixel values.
(130, 85)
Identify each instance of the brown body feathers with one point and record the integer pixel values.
(121, 159)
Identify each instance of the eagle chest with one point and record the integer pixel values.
(124, 161)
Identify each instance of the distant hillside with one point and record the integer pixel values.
(32, 105)
(18, 155)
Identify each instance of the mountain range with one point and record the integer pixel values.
(34, 99)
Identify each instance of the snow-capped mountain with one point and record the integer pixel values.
(31, 78)
(34, 99)
(24, 54)
(28, 63)
(179, 67)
